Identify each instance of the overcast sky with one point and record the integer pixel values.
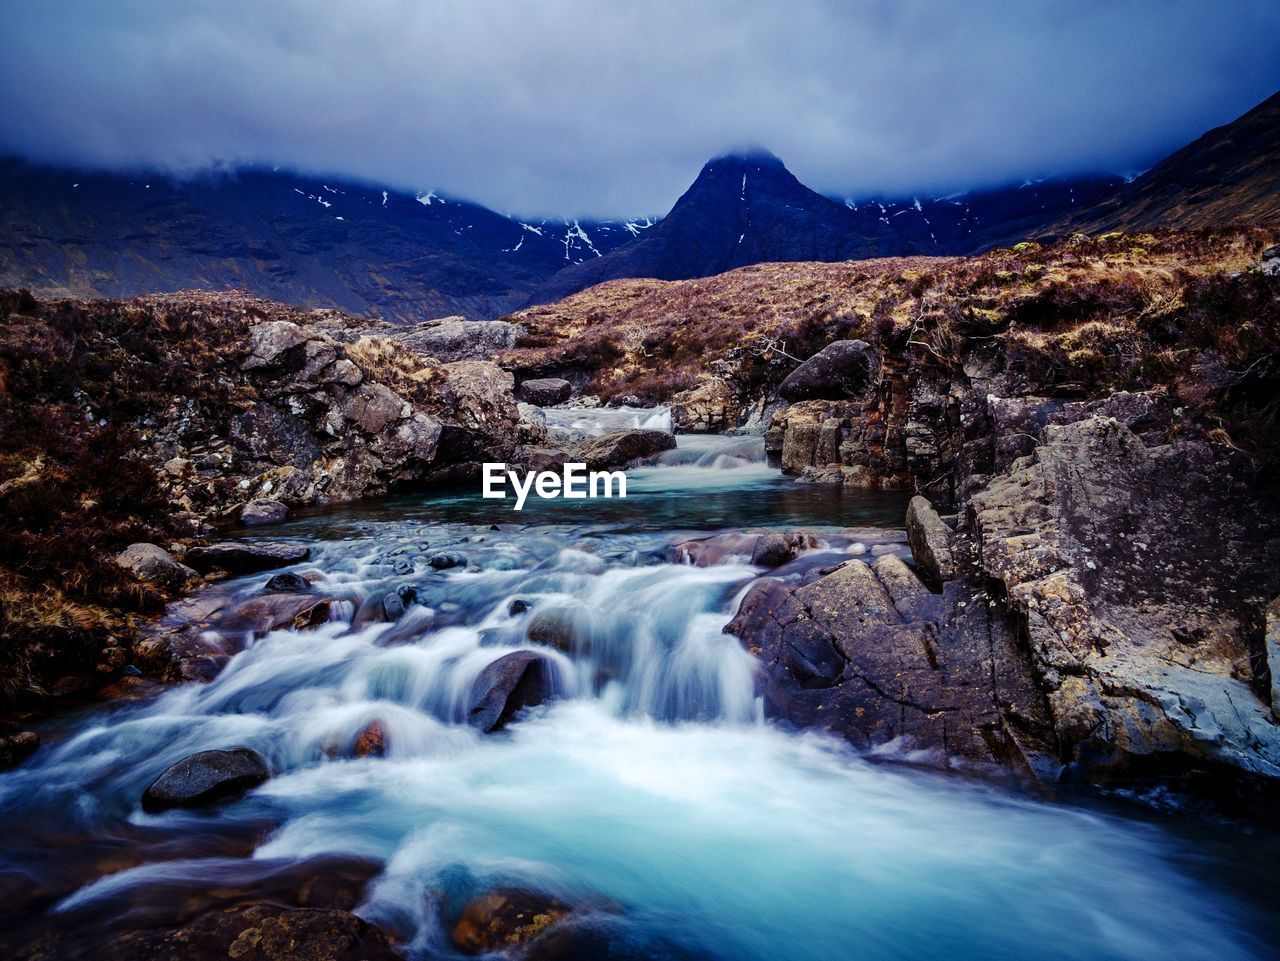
(602, 107)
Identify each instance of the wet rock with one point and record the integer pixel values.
(236, 557)
(148, 562)
(507, 686)
(287, 583)
(263, 510)
(1144, 648)
(851, 652)
(932, 543)
(446, 560)
(16, 748)
(271, 612)
(532, 427)
(393, 606)
(518, 606)
(620, 447)
(545, 391)
(371, 741)
(845, 368)
(506, 921)
(254, 932)
(206, 777)
(773, 549)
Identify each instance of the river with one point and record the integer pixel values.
(652, 787)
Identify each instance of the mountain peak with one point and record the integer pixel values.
(751, 155)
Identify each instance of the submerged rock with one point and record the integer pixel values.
(206, 777)
(545, 391)
(236, 557)
(148, 562)
(507, 686)
(506, 920)
(271, 612)
(371, 741)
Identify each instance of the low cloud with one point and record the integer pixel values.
(571, 107)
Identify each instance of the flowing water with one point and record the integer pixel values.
(652, 788)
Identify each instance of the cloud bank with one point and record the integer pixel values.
(572, 107)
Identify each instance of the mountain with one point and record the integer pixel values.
(416, 256)
(748, 208)
(295, 239)
(1231, 175)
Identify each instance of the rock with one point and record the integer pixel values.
(446, 560)
(393, 606)
(845, 368)
(237, 557)
(252, 932)
(270, 342)
(620, 447)
(371, 741)
(271, 612)
(263, 510)
(545, 391)
(708, 408)
(932, 543)
(206, 777)
(16, 748)
(1146, 652)
(505, 921)
(287, 583)
(772, 549)
(532, 427)
(518, 606)
(851, 652)
(374, 407)
(507, 686)
(454, 338)
(148, 562)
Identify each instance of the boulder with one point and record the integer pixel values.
(271, 342)
(1273, 654)
(148, 562)
(287, 583)
(506, 920)
(860, 653)
(206, 777)
(932, 543)
(772, 549)
(1136, 571)
(263, 510)
(620, 447)
(454, 338)
(545, 391)
(507, 686)
(237, 557)
(843, 369)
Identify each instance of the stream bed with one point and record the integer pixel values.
(652, 787)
